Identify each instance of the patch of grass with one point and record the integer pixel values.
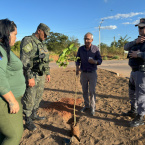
(115, 57)
(105, 58)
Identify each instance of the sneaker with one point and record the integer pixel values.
(84, 109)
(137, 121)
(130, 114)
(93, 112)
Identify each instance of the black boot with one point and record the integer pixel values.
(29, 124)
(34, 116)
(137, 121)
(131, 113)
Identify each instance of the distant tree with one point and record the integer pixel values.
(103, 45)
(56, 42)
(104, 48)
(114, 44)
(16, 46)
(122, 41)
(75, 41)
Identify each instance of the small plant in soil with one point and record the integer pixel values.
(63, 60)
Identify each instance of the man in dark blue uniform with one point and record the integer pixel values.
(136, 56)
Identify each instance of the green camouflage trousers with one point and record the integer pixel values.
(33, 95)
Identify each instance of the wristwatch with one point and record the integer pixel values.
(139, 54)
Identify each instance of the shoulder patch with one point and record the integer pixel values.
(27, 48)
(25, 41)
(26, 44)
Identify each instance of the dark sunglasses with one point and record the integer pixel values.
(141, 27)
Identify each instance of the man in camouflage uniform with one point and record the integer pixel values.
(35, 59)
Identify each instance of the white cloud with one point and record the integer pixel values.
(134, 22)
(107, 27)
(123, 16)
(126, 23)
(105, 1)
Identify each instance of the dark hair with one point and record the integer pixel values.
(6, 27)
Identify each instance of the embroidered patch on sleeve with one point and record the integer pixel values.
(28, 47)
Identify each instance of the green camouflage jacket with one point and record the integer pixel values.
(30, 50)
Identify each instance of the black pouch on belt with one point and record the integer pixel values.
(142, 68)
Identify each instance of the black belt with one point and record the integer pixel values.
(135, 69)
(139, 68)
(38, 73)
(88, 71)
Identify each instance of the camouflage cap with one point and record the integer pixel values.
(44, 27)
(141, 23)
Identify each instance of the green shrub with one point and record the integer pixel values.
(105, 58)
(115, 57)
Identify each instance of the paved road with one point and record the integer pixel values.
(118, 66)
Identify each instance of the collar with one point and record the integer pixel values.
(88, 49)
(37, 41)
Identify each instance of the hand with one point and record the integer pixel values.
(133, 54)
(140, 39)
(48, 78)
(14, 106)
(92, 61)
(77, 70)
(31, 82)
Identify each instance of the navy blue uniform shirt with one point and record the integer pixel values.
(84, 56)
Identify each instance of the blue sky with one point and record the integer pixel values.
(74, 18)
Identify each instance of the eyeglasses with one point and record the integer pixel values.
(141, 28)
(87, 39)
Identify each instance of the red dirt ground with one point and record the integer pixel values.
(107, 127)
(64, 108)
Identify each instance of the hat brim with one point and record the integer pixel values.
(140, 25)
(47, 33)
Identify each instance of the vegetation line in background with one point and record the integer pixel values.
(57, 42)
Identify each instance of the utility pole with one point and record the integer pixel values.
(114, 41)
(99, 35)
